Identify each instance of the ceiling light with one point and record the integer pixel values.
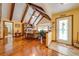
(34, 16)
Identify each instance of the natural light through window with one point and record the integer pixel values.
(63, 29)
(43, 28)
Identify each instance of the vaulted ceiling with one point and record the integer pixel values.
(24, 12)
(34, 13)
(53, 8)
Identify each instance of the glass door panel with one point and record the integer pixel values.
(64, 30)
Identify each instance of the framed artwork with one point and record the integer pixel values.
(17, 25)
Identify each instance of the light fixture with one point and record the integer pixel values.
(34, 16)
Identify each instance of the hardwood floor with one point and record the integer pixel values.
(24, 47)
(64, 49)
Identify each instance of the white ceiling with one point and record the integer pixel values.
(18, 11)
(52, 8)
(28, 14)
(6, 10)
(37, 20)
(44, 21)
(34, 17)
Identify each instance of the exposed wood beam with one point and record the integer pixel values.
(36, 6)
(31, 16)
(44, 14)
(42, 11)
(36, 18)
(40, 20)
(25, 12)
(12, 10)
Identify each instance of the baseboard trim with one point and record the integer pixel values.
(53, 41)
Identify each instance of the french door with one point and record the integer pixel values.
(64, 30)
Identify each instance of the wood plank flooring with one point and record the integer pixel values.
(64, 49)
(24, 47)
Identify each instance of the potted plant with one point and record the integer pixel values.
(42, 34)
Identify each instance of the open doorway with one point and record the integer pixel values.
(7, 31)
(8, 36)
(64, 30)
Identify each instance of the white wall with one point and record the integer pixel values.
(48, 38)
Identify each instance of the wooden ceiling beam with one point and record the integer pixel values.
(42, 11)
(37, 7)
(36, 18)
(40, 20)
(31, 16)
(25, 12)
(12, 10)
(44, 14)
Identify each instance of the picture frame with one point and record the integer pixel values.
(17, 25)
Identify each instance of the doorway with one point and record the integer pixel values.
(8, 29)
(64, 30)
(7, 32)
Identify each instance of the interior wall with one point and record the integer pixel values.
(15, 28)
(0, 18)
(75, 13)
(48, 38)
(0, 10)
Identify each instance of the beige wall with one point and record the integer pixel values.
(75, 13)
(15, 29)
(48, 38)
